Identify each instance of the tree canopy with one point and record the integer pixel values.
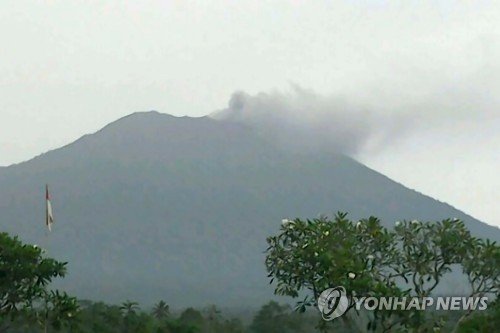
(25, 275)
(367, 259)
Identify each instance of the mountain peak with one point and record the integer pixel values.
(150, 113)
(140, 116)
(144, 122)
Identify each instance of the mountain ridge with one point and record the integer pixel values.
(180, 207)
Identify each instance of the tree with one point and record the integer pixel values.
(233, 325)
(276, 318)
(25, 275)
(212, 317)
(100, 317)
(192, 316)
(177, 326)
(488, 321)
(129, 307)
(161, 310)
(367, 259)
(481, 264)
(130, 318)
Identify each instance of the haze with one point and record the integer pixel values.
(412, 84)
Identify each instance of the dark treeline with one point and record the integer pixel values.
(129, 317)
(272, 317)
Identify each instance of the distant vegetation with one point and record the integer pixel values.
(305, 258)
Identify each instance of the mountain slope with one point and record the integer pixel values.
(159, 207)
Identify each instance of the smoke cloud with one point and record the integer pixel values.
(302, 119)
(373, 118)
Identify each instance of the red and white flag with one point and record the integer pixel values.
(49, 218)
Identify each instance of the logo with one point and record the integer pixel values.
(333, 303)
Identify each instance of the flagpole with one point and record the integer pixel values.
(47, 227)
(49, 219)
(46, 246)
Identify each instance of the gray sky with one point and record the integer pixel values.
(68, 68)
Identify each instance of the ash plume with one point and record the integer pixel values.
(465, 104)
(304, 120)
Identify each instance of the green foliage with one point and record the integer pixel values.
(175, 326)
(129, 308)
(276, 318)
(25, 275)
(488, 321)
(192, 317)
(100, 317)
(161, 310)
(103, 318)
(370, 260)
